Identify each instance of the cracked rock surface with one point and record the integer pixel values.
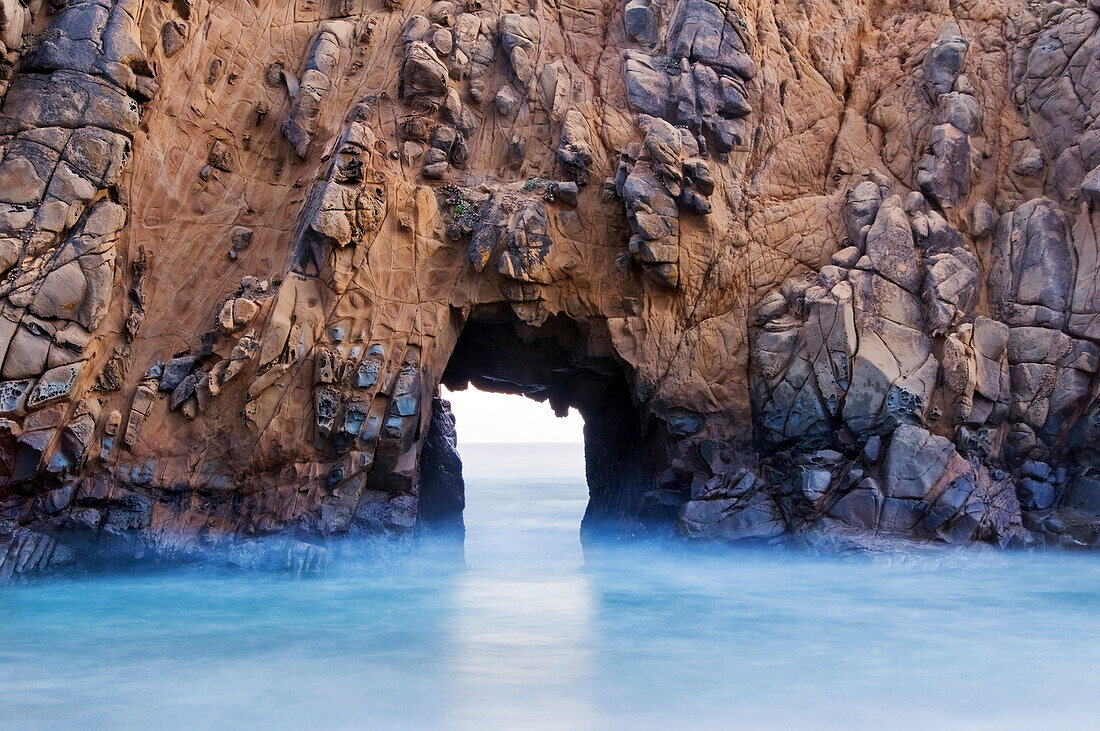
(825, 269)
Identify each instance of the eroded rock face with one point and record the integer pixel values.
(806, 268)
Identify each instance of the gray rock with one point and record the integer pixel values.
(960, 111)
(443, 138)
(1030, 163)
(846, 257)
(683, 422)
(944, 174)
(890, 246)
(423, 74)
(518, 35)
(899, 515)
(221, 157)
(460, 151)
(568, 193)
(321, 62)
(575, 149)
(1040, 345)
(61, 292)
(528, 245)
(872, 450)
(647, 85)
(99, 273)
(436, 170)
(85, 518)
(697, 174)
(732, 519)
(812, 484)
(983, 220)
(1033, 272)
(26, 356)
(773, 349)
(915, 461)
(729, 134)
(950, 288)
(640, 22)
(1085, 494)
(893, 352)
(176, 370)
(378, 512)
(773, 305)
(129, 512)
(861, 205)
(945, 59)
(701, 32)
(1090, 186)
(733, 101)
(55, 384)
(860, 507)
(56, 100)
(55, 501)
(1035, 495)
(94, 38)
(962, 529)
(185, 390)
(948, 504)
(173, 36)
(916, 204)
(13, 396)
(506, 100)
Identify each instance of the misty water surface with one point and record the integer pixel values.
(528, 637)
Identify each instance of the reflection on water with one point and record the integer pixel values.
(528, 637)
(522, 651)
(522, 625)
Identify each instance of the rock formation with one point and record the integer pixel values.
(823, 269)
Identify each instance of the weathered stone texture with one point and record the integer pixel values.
(806, 267)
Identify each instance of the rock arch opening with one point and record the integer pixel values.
(567, 364)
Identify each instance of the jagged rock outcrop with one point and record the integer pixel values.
(824, 271)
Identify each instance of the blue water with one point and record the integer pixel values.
(528, 637)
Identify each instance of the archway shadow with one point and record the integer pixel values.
(563, 364)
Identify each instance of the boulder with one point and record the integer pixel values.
(55, 384)
(176, 370)
(945, 58)
(915, 461)
(731, 520)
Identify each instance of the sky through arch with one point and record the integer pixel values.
(494, 417)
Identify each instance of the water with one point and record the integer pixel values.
(528, 637)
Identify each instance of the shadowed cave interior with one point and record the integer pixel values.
(562, 363)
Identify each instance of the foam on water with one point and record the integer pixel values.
(528, 636)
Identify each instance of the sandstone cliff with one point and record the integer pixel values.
(807, 267)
